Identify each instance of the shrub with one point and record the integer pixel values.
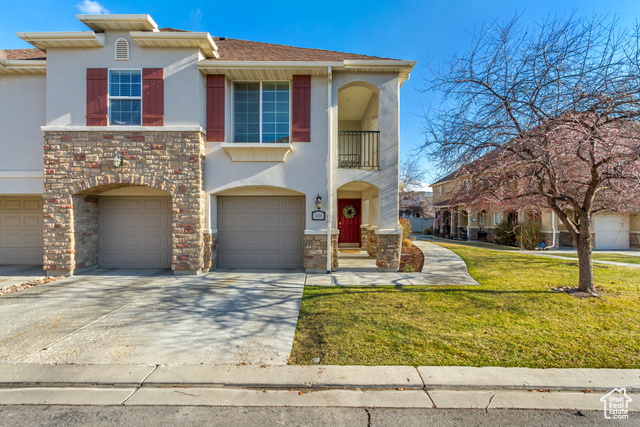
(427, 231)
(529, 236)
(409, 269)
(406, 228)
(406, 242)
(505, 233)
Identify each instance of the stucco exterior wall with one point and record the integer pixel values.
(386, 179)
(22, 112)
(184, 90)
(303, 172)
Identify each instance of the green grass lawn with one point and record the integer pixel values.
(511, 320)
(630, 259)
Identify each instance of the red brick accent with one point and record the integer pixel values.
(130, 157)
(47, 147)
(79, 157)
(183, 245)
(137, 138)
(177, 171)
(51, 171)
(52, 162)
(48, 215)
(65, 138)
(95, 165)
(57, 225)
(71, 251)
(156, 146)
(183, 257)
(107, 136)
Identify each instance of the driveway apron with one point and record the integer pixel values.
(152, 317)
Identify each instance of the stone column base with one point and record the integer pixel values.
(210, 257)
(315, 252)
(634, 239)
(372, 242)
(473, 233)
(388, 254)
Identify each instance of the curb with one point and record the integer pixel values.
(319, 377)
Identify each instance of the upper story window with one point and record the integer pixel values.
(496, 218)
(125, 97)
(261, 111)
(441, 189)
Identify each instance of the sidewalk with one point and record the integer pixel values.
(314, 386)
(551, 253)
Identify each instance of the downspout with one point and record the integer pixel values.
(329, 165)
(554, 227)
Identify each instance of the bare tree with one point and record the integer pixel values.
(410, 182)
(544, 118)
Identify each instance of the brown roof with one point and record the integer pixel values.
(449, 177)
(22, 54)
(236, 50)
(244, 50)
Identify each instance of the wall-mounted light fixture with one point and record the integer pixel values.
(319, 202)
(117, 160)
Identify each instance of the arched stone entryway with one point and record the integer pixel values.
(79, 168)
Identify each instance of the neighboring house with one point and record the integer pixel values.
(457, 220)
(417, 207)
(172, 149)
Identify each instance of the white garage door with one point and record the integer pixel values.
(134, 232)
(21, 230)
(612, 231)
(260, 232)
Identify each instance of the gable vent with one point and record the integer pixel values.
(122, 50)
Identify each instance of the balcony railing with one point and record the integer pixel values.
(358, 149)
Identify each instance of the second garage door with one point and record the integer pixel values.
(260, 232)
(134, 232)
(21, 230)
(612, 231)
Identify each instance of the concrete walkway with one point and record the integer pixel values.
(442, 267)
(317, 386)
(552, 253)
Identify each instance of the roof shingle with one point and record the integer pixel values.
(11, 54)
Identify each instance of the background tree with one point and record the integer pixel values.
(411, 182)
(544, 118)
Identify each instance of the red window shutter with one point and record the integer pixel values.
(301, 109)
(152, 97)
(215, 107)
(97, 97)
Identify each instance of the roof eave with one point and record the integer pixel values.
(101, 23)
(67, 39)
(204, 41)
(23, 66)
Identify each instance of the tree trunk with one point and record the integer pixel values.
(585, 263)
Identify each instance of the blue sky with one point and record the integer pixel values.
(425, 31)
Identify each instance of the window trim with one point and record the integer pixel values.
(233, 110)
(481, 219)
(496, 218)
(109, 97)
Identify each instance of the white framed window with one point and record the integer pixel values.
(496, 218)
(122, 50)
(262, 111)
(125, 97)
(481, 218)
(441, 189)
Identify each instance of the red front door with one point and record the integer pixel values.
(349, 227)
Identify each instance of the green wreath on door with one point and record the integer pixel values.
(349, 211)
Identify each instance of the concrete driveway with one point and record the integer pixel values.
(152, 317)
(15, 274)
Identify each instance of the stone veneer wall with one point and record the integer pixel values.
(372, 242)
(634, 239)
(388, 253)
(363, 237)
(78, 167)
(315, 252)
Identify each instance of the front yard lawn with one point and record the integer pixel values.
(511, 320)
(629, 259)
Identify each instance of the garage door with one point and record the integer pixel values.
(260, 232)
(21, 230)
(134, 232)
(612, 231)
